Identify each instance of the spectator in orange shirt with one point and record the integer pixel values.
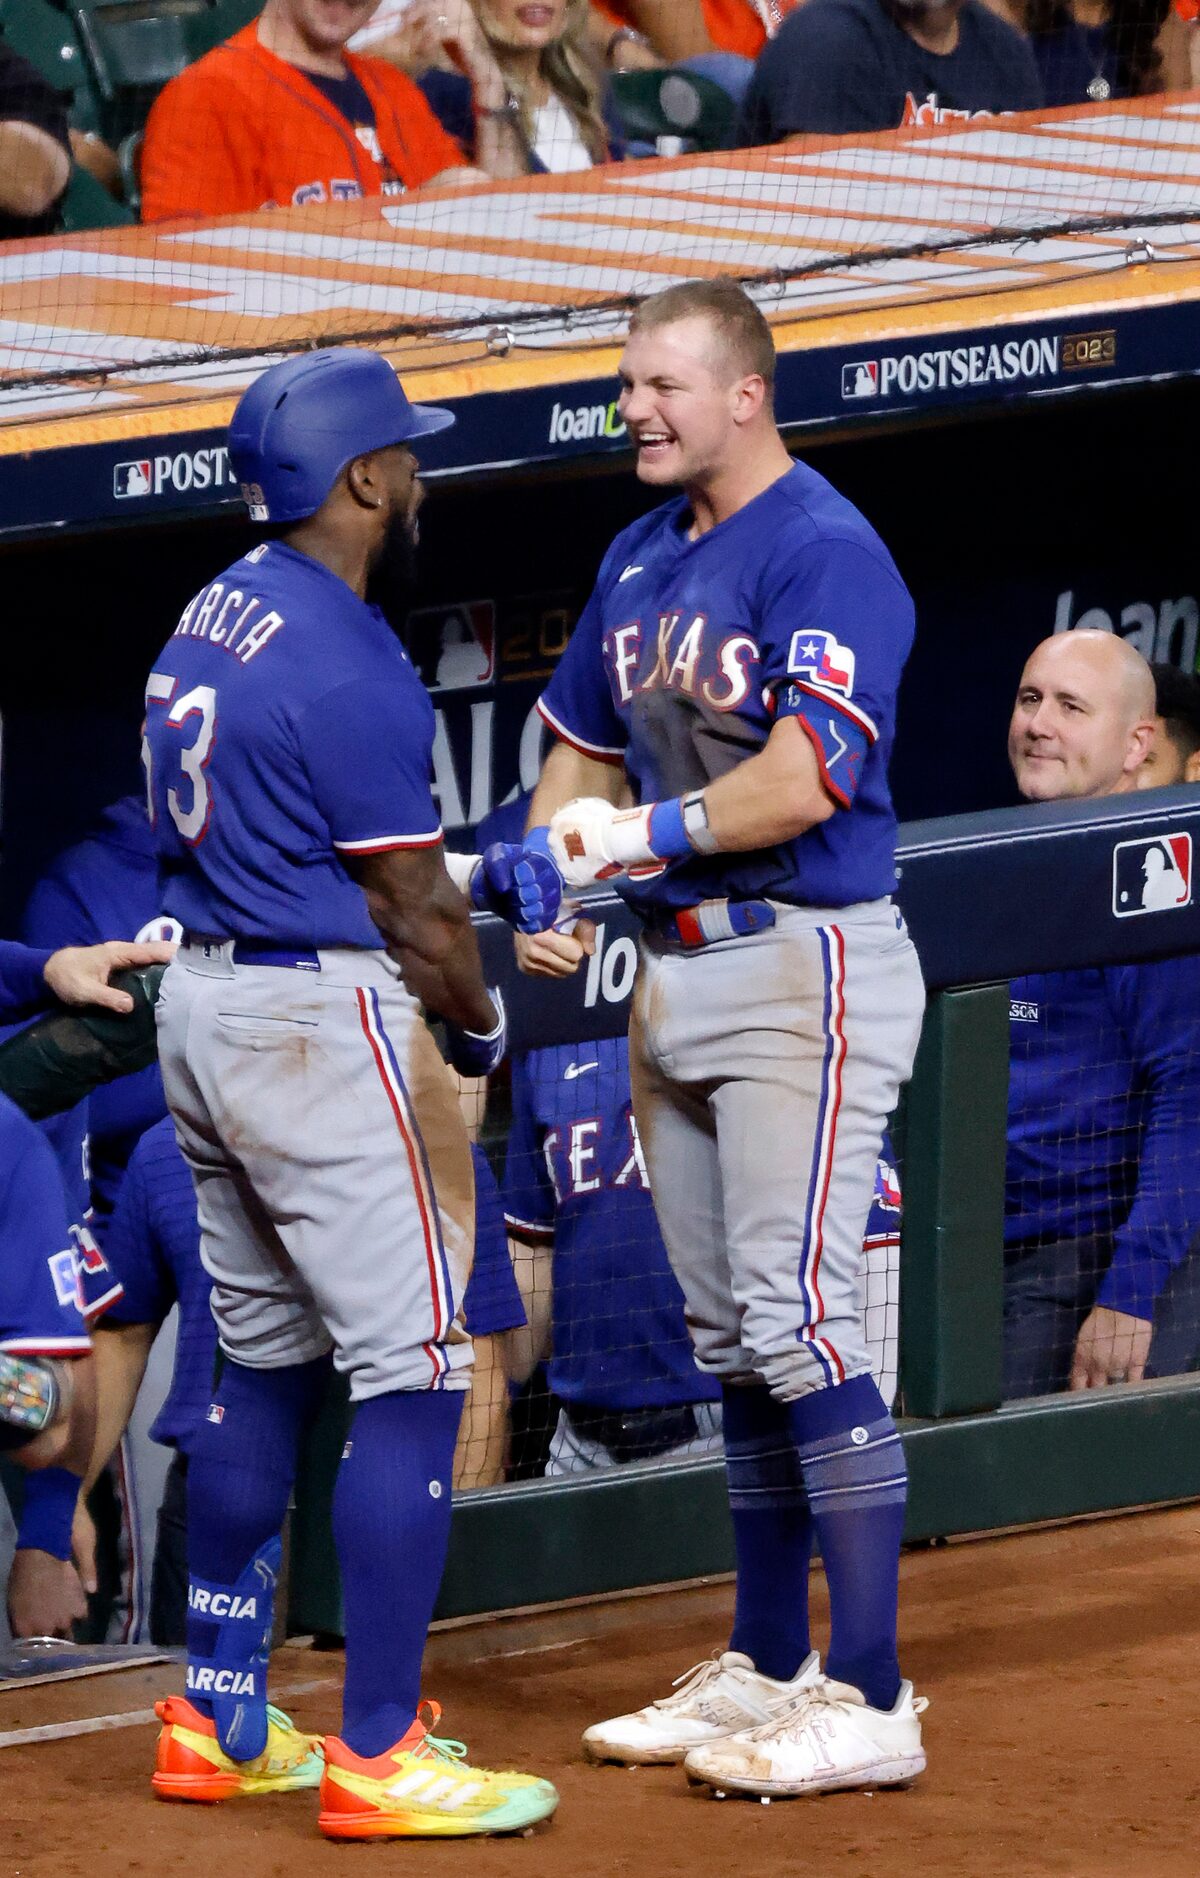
(684, 29)
(283, 114)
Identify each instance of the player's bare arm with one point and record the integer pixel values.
(67, 1442)
(427, 928)
(773, 796)
(120, 1353)
(45, 1596)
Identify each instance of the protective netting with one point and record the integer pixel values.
(1102, 1227)
(874, 155)
(601, 1372)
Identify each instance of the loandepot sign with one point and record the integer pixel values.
(950, 367)
(578, 423)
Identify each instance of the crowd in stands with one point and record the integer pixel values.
(311, 102)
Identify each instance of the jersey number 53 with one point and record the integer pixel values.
(193, 720)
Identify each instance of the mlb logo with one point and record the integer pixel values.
(823, 659)
(1152, 876)
(131, 479)
(453, 647)
(861, 380)
(216, 1412)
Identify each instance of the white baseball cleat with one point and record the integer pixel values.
(714, 1700)
(829, 1741)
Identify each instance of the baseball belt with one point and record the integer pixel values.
(255, 952)
(710, 922)
(634, 1434)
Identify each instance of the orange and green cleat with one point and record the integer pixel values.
(424, 1789)
(192, 1765)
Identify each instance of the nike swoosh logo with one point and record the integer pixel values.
(576, 1069)
(629, 573)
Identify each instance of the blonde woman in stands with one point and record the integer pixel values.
(556, 96)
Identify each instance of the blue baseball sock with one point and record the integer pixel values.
(391, 1521)
(854, 1472)
(772, 1530)
(240, 1476)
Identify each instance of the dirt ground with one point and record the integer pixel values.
(1063, 1669)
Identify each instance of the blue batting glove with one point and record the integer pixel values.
(519, 883)
(473, 1054)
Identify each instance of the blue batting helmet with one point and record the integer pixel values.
(297, 427)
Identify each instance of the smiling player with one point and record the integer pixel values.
(738, 665)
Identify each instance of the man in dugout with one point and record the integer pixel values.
(1174, 753)
(1103, 1186)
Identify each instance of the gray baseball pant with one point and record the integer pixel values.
(764, 1069)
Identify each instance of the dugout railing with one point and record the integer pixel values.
(988, 898)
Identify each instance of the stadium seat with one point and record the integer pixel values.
(44, 35)
(675, 104)
(132, 47)
(87, 204)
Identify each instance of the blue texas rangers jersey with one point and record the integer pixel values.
(23, 988)
(575, 1172)
(1104, 1118)
(688, 652)
(285, 726)
(106, 887)
(40, 1312)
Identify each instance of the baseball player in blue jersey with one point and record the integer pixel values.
(44, 1590)
(620, 1361)
(737, 665)
(105, 885)
(47, 1393)
(288, 748)
(152, 1262)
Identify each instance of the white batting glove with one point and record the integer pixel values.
(581, 841)
(590, 840)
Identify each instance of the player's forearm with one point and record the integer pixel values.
(533, 1270)
(567, 773)
(773, 796)
(121, 1352)
(482, 1446)
(770, 798)
(426, 926)
(436, 950)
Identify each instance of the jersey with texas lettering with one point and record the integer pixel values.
(689, 651)
(285, 727)
(40, 1311)
(575, 1173)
